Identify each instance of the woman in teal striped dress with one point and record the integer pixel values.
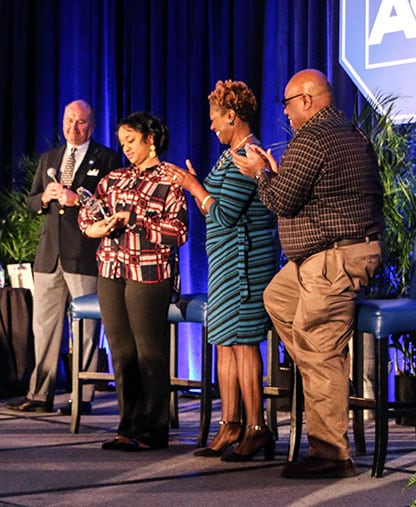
(242, 258)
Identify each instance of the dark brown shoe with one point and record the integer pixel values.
(26, 405)
(319, 468)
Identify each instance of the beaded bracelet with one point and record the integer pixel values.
(205, 200)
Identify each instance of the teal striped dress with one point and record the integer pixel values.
(242, 251)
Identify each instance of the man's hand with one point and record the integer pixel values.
(255, 160)
(68, 197)
(52, 192)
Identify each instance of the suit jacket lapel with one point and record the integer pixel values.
(89, 162)
(56, 161)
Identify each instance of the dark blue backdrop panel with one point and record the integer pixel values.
(161, 56)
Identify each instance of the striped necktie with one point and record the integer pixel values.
(66, 178)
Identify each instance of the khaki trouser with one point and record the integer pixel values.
(52, 291)
(312, 308)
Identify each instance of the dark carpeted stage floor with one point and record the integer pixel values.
(42, 464)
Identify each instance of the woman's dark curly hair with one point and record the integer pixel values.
(148, 124)
(234, 95)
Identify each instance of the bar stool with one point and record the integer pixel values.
(192, 308)
(189, 308)
(368, 321)
(274, 390)
(381, 318)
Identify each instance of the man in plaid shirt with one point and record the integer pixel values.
(328, 199)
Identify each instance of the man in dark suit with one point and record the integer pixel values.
(65, 266)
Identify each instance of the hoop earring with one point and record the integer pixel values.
(232, 122)
(152, 153)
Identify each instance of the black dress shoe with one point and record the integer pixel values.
(85, 408)
(134, 446)
(113, 445)
(26, 405)
(319, 468)
(209, 452)
(260, 437)
(120, 443)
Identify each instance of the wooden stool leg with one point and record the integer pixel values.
(76, 381)
(358, 383)
(173, 407)
(381, 411)
(296, 415)
(271, 380)
(206, 389)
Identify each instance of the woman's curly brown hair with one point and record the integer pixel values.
(234, 95)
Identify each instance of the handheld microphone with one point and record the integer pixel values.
(51, 172)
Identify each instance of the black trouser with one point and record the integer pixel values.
(134, 315)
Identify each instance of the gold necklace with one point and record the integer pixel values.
(226, 153)
(241, 143)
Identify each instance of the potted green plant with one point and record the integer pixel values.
(411, 482)
(392, 144)
(19, 229)
(19, 234)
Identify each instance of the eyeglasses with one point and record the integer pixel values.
(285, 101)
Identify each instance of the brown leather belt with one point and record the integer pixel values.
(366, 239)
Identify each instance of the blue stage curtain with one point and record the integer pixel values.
(163, 56)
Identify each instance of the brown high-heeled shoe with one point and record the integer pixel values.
(209, 452)
(262, 439)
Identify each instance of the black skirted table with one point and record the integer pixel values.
(16, 341)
